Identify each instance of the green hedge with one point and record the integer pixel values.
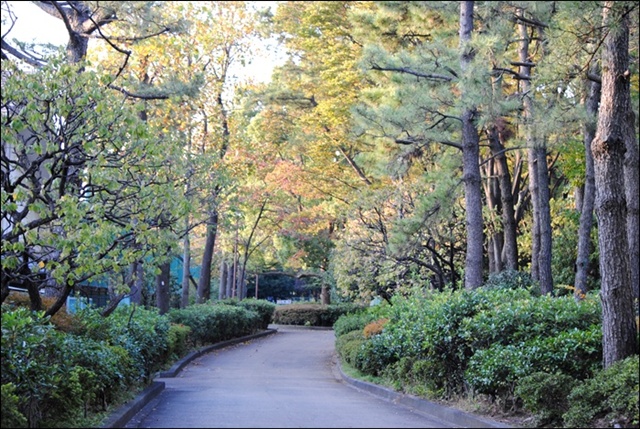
(310, 314)
(212, 323)
(52, 378)
(264, 308)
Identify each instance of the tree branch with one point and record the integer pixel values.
(29, 59)
(405, 70)
(139, 96)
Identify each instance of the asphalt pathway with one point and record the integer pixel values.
(284, 380)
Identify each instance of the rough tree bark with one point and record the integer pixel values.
(538, 174)
(619, 335)
(588, 194)
(470, 159)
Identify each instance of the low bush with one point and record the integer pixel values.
(373, 357)
(312, 314)
(374, 328)
(352, 322)
(496, 371)
(609, 399)
(143, 333)
(264, 308)
(212, 323)
(349, 345)
(512, 280)
(515, 318)
(414, 376)
(545, 395)
(179, 341)
(58, 378)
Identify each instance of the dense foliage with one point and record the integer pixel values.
(55, 378)
(400, 152)
(502, 342)
(311, 314)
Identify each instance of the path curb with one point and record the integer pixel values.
(447, 414)
(459, 418)
(126, 411)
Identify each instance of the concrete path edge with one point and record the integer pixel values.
(126, 412)
(447, 414)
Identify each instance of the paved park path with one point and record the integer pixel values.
(285, 380)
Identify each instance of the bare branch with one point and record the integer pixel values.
(27, 58)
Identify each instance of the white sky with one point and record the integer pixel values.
(34, 25)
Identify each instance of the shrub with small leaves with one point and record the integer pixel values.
(349, 345)
(545, 394)
(610, 397)
(352, 322)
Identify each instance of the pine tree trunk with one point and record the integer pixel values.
(619, 335)
(588, 195)
(510, 245)
(632, 191)
(541, 240)
(470, 164)
(544, 213)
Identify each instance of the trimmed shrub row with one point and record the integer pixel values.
(310, 314)
(61, 378)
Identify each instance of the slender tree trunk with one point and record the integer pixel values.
(229, 282)
(204, 283)
(33, 288)
(234, 284)
(588, 195)
(163, 288)
(510, 245)
(495, 234)
(137, 285)
(222, 289)
(541, 242)
(186, 268)
(619, 334)
(546, 241)
(470, 161)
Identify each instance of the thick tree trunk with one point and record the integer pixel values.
(470, 164)
(588, 195)
(325, 295)
(632, 191)
(204, 284)
(619, 337)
